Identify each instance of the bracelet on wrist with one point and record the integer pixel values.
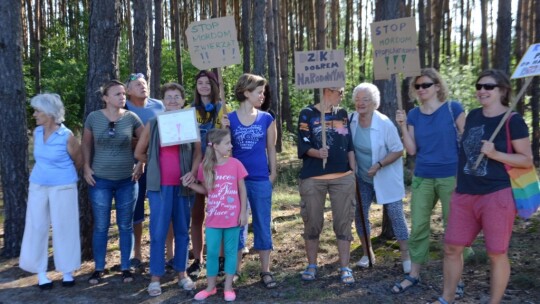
(380, 164)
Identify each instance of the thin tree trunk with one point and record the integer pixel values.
(272, 55)
(13, 127)
(246, 41)
(176, 38)
(501, 57)
(484, 51)
(422, 33)
(284, 68)
(141, 38)
(158, 37)
(259, 41)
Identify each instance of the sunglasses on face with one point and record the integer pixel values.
(424, 85)
(112, 130)
(340, 92)
(486, 86)
(136, 76)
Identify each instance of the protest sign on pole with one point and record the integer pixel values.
(213, 43)
(320, 69)
(529, 66)
(395, 50)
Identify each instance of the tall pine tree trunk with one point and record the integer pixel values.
(387, 10)
(13, 128)
(103, 41)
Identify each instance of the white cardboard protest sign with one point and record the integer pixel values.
(213, 43)
(178, 127)
(529, 65)
(319, 69)
(395, 48)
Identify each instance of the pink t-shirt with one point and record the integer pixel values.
(223, 206)
(169, 165)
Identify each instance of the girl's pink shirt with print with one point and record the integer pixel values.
(223, 206)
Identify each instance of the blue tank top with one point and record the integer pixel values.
(54, 165)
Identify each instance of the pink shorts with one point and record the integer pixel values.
(492, 213)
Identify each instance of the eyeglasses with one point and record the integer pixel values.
(340, 92)
(112, 130)
(486, 86)
(172, 98)
(424, 85)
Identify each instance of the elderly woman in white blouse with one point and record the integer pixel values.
(378, 151)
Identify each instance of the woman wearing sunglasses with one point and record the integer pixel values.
(483, 198)
(430, 131)
(110, 173)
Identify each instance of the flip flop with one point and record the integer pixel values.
(401, 289)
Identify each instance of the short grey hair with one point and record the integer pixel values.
(50, 104)
(371, 89)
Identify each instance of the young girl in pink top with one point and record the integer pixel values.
(222, 180)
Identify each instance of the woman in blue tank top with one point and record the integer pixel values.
(52, 195)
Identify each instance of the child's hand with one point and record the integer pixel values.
(243, 220)
(187, 180)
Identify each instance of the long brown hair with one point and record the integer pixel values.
(214, 137)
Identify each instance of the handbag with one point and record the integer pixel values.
(524, 181)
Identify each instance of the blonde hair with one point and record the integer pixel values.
(437, 79)
(214, 137)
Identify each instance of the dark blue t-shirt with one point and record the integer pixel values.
(338, 140)
(490, 175)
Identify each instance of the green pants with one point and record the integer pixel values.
(425, 194)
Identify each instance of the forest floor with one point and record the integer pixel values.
(288, 260)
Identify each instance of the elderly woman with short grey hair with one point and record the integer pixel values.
(52, 195)
(378, 151)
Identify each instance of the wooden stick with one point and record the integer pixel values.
(323, 125)
(503, 120)
(395, 77)
(222, 90)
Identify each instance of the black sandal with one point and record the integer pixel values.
(127, 277)
(95, 278)
(268, 283)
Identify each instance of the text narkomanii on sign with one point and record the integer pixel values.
(395, 48)
(319, 69)
(213, 43)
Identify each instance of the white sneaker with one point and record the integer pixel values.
(364, 262)
(407, 266)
